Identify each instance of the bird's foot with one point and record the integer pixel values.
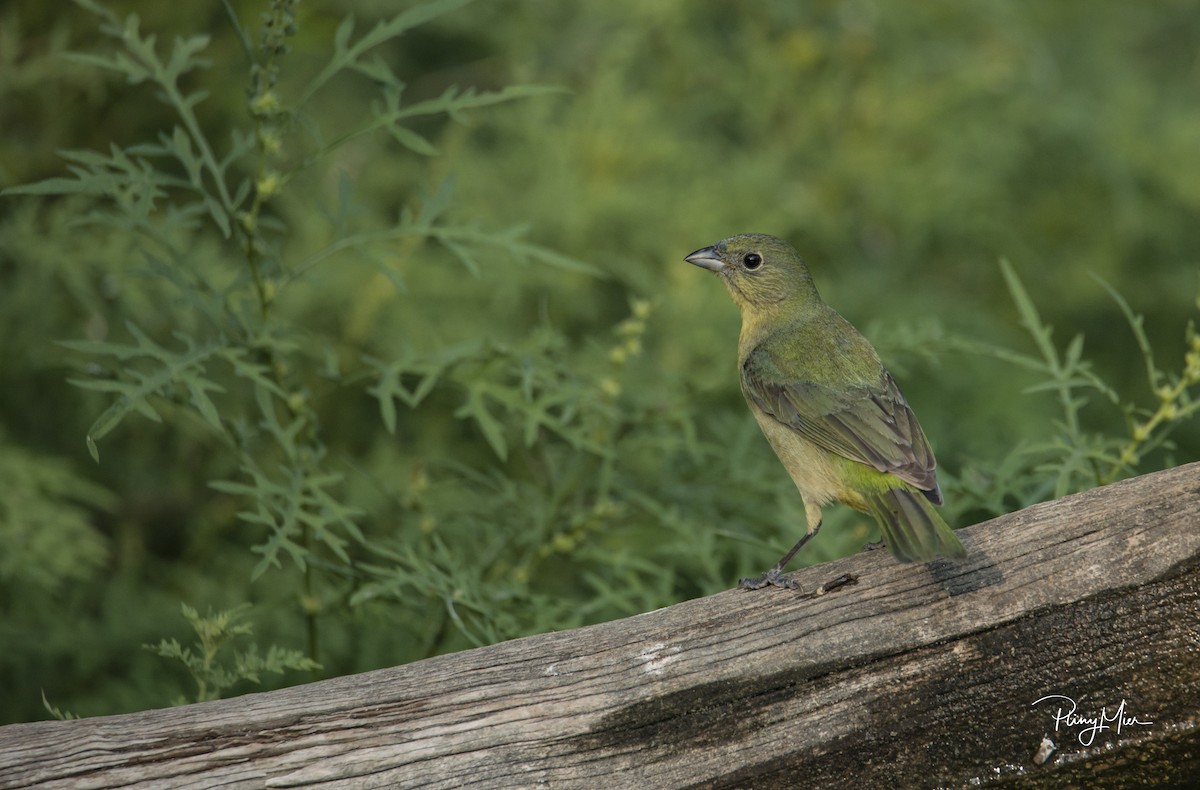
(871, 545)
(772, 578)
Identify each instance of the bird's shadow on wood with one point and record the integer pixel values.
(960, 577)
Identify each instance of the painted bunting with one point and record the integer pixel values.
(829, 409)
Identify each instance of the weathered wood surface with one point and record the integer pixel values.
(916, 676)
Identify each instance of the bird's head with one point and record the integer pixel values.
(760, 271)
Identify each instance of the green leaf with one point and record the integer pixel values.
(1136, 323)
(347, 53)
(463, 253)
(230, 487)
(406, 20)
(476, 408)
(183, 57)
(181, 146)
(412, 141)
(199, 389)
(378, 70)
(119, 63)
(386, 392)
(1029, 315)
(135, 385)
(57, 713)
(341, 37)
(454, 100)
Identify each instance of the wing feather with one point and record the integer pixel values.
(871, 423)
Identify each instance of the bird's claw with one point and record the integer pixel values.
(772, 578)
(871, 545)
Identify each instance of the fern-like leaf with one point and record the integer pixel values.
(136, 387)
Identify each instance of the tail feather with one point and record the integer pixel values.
(912, 529)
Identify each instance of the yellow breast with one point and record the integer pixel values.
(816, 472)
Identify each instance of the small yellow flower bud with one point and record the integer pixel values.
(418, 481)
(1191, 369)
(310, 604)
(630, 327)
(270, 141)
(268, 185)
(265, 103)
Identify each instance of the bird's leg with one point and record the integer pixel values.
(775, 577)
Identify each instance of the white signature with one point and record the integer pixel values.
(1091, 726)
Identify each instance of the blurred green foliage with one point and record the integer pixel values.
(208, 659)
(381, 328)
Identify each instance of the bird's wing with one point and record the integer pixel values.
(871, 424)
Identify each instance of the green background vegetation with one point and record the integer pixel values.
(448, 381)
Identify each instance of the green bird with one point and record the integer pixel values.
(828, 407)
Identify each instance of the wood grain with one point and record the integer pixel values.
(915, 676)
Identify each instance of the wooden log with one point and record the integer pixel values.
(914, 676)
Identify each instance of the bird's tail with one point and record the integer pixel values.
(912, 529)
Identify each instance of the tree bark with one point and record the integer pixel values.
(912, 676)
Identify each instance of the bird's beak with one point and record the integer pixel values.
(707, 258)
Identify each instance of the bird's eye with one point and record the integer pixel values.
(752, 260)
